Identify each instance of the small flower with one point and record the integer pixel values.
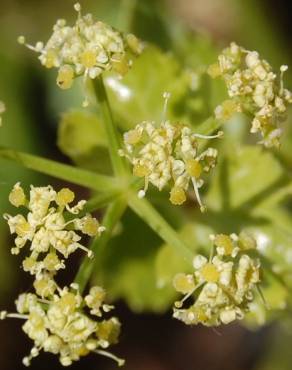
(222, 286)
(253, 89)
(2, 110)
(60, 325)
(87, 48)
(168, 154)
(45, 228)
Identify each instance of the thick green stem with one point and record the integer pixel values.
(149, 214)
(61, 171)
(113, 214)
(110, 128)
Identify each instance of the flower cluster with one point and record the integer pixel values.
(222, 286)
(50, 237)
(87, 48)
(2, 110)
(254, 89)
(58, 320)
(60, 324)
(168, 154)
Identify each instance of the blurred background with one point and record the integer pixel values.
(193, 31)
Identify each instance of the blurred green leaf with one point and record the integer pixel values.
(128, 267)
(82, 138)
(139, 95)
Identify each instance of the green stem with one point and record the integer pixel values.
(126, 15)
(113, 214)
(61, 171)
(110, 127)
(149, 214)
(99, 201)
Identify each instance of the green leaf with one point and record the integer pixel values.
(197, 237)
(82, 138)
(139, 95)
(246, 174)
(128, 267)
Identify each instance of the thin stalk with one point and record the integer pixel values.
(113, 214)
(149, 214)
(61, 171)
(110, 127)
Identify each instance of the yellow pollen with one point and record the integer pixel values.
(140, 170)
(201, 315)
(210, 273)
(120, 64)
(194, 168)
(229, 107)
(64, 197)
(88, 58)
(177, 196)
(225, 242)
(51, 58)
(28, 264)
(134, 43)
(65, 77)
(17, 197)
(51, 261)
(132, 137)
(91, 226)
(22, 229)
(183, 283)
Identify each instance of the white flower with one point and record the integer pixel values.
(168, 155)
(46, 229)
(223, 284)
(87, 48)
(60, 325)
(254, 89)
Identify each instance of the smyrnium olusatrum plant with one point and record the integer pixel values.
(172, 154)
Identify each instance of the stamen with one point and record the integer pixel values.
(90, 254)
(77, 7)
(219, 134)
(196, 189)
(142, 192)
(179, 304)
(283, 69)
(166, 97)
(5, 314)
(119, 361)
